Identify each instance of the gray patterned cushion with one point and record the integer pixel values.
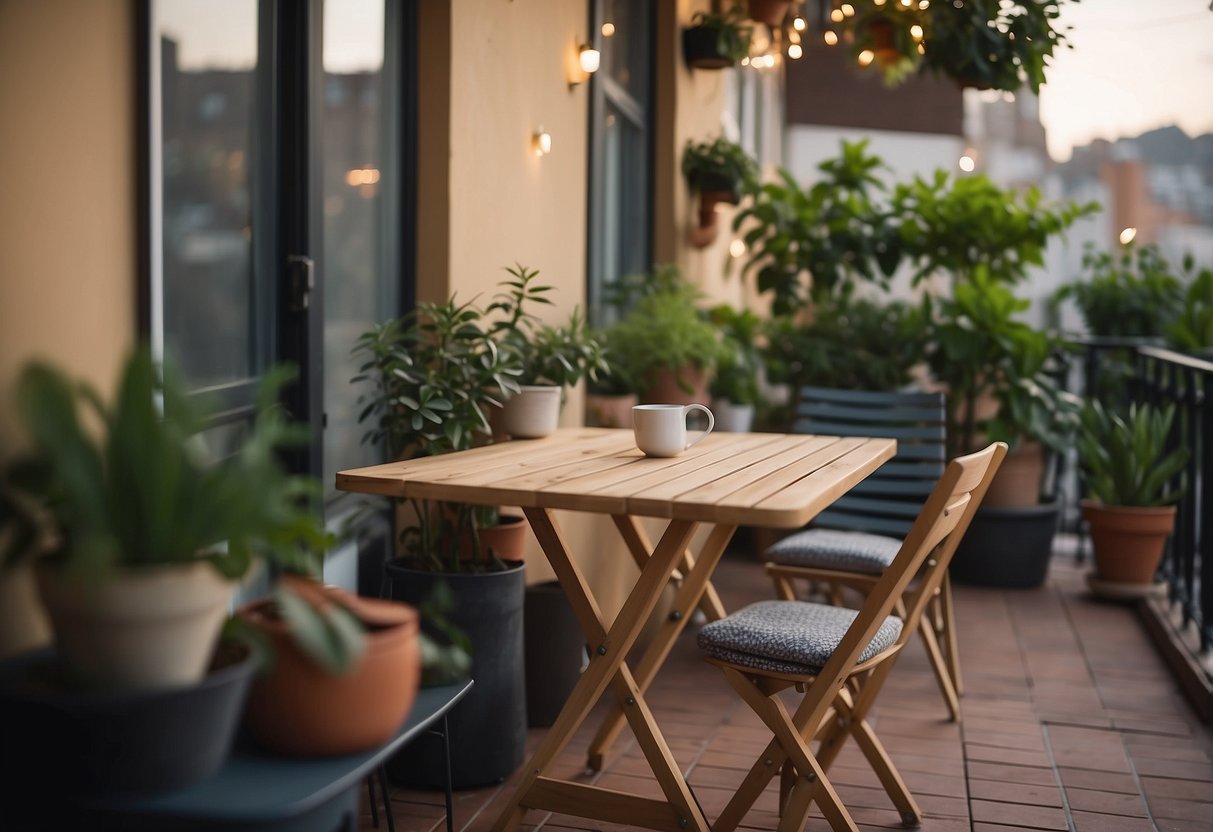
(788, 636)
(831, 549)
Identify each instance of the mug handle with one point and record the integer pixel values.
(711, 421)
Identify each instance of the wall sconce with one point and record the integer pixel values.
(541, 142)
(588, 61)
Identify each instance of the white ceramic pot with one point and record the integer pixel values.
(533, 412)
(145, 627)
(733, 418)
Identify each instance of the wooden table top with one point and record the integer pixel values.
(760, 479)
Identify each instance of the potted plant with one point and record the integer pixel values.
(552, 358)
(735, 384)
(22, 539)
(665, 342)
(149, 537)
(1133, 294)
(434, 375)
(1130, 469)
(719, 171)
(343, 670)
(716, 40)
(893, 34)
(1192, 330)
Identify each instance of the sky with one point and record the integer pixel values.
(1135, 65)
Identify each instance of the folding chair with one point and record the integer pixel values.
(856, 539)
(840, 658)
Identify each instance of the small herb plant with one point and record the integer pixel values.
(1125, 456)
(662, 328)
(556, 355)
(719, 167)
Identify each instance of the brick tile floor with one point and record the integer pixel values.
(1070, 721)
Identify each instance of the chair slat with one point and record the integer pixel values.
(892, 414)
(834, 394)
(830, 428)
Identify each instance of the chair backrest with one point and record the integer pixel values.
(932, 541)
(887, 501)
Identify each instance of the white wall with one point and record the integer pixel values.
(907, 154)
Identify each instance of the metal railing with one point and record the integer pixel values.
(1134, 369)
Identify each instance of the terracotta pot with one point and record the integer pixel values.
(770, 12)
(507, 539)
(1128, 542)
(300, 708)
(609, 411)
(884, 46)
(664, 388)
(1018, 481)
(145, 627)
(533, 412)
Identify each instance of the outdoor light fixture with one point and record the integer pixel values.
(589, 58)
(608, 29)
(541, 142)
(588, 61)
(1128, 235)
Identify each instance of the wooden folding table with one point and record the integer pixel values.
(727, 480)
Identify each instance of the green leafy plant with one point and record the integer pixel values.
(140, 490)
(1125, 457)
(957, 225)
(1130, 294)
(979, 349)
(736, 377)
(812, 245)
(730, 30)
(719, 166)
(855, 343)
(1193, 328)
(557, 355)
(662, 329)
(433, 374)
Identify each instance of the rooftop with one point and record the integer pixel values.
(1071, 721)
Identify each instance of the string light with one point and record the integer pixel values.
(837, 16)
(608, 29)
(848, 10)
(1127, 235)
(866, 57)
(967, 163)
(798, 24)
(795, 52)
(916, 32)
(830, 37)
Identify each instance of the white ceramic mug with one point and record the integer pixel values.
(661, 429)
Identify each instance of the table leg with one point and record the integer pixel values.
(608, 649)
(638, 544)
(692, 593)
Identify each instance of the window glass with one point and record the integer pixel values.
(207, 63)
(360, 256)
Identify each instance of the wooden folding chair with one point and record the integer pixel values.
(850, 544)
(840, 658)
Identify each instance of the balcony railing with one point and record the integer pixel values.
(1139, 370)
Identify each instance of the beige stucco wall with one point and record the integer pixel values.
(67, 189)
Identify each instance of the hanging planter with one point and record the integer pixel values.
(770, 12)
(716, 40)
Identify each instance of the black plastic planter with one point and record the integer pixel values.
(60, 741)
(555, 652)
(1007, 547)
(700, 48)
(488, 728)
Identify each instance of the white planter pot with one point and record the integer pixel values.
(140, 627)
(733, 418)
(533, 412)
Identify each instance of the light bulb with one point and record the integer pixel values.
(795, 52)
(608, 29)
(830, 37)
(589, 58)
(837, 16)
(798, 24)
(848, 10)
(916, 32)
(737, 248)
(541, 142)
(1127, 235)
(866, 57)
(967, 163)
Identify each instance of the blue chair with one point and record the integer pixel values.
(853, 542)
